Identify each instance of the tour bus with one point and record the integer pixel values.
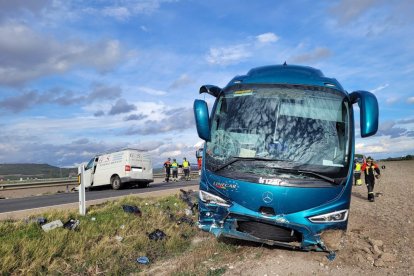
(127, 166)
(278, 159)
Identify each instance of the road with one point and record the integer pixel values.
(17, 204)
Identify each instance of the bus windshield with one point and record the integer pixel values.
(258, 129)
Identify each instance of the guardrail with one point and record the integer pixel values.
(62, 182)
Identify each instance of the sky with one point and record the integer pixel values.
(78, 78)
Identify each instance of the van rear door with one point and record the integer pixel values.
(141, 166)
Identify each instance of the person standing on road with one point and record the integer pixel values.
(186, 168)
(371, 171)
(357, 173)
(174, 167)
(167, 166)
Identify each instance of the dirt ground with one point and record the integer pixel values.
(379, 239)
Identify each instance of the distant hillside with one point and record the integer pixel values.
(17, 171)
(407, 157)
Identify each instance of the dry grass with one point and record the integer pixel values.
(26, 249)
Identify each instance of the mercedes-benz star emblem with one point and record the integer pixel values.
(267, 197)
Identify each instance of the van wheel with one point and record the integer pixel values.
(116, 182)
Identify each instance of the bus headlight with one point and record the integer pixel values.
(337, 216)
(212, 199)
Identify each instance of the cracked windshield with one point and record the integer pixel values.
(294, 126)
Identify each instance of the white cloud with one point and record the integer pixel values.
(379, 88)
(151, 91)
(120, 13)
(182, 81)
(391, 100)
(267, 38)
(410, 100)
(228, 55)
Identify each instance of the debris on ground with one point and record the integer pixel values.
(191, 198)
(71, 224)
(93, 219)
(119, 238)
(122, 226)
(132, 209)
(143, 260)
(52, 225)
(157, 235)
(39, 220)
(185, 219)
(189, 212)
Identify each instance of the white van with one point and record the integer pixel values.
(127, 166)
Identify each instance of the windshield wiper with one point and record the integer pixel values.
(318, 175)
(235, 159)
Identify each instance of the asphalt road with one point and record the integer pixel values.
(17, 204)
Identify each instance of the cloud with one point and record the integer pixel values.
(27, 55)
(315, 55)
(135, 117)
(176, 119)
(16, 6)
(410, 100)
(101, 92)
(99, 113)
(124, 9)
(60, 97)
(267, 38)
(121, 106)
(228, 55)
(182, 81)
(390, 128)
(151, 91)
(391, 100)
(405, 121)
(379, 88)
(119, 13)
(350, 10)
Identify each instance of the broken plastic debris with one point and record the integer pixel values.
(185, 219)
(331, 256)
(190, 197)
(119, 238)
(52, 225)
(157, 235)
(188, 212)
(132, 209)
(71, 224)
(93, 218)
(143, 260)
(39, 220)
(122, 226)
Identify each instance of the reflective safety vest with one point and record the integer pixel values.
(358, 167)
(174, 165)
(186, 164)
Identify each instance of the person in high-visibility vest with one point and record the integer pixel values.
(186, 168)
(174, 167)
(167, 166)
(357, 173)
(371, 171)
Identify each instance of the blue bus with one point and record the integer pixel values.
(279, 155)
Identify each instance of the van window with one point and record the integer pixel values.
(90, 164)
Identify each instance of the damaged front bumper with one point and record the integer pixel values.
(294, 231)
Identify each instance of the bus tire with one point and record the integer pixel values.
(116, 182)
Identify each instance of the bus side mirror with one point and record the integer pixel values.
(202, 119)
(368, 106)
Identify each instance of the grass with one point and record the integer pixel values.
(93, 249)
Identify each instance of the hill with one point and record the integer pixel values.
(39, 171)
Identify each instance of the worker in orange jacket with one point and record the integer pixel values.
(371, 171)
